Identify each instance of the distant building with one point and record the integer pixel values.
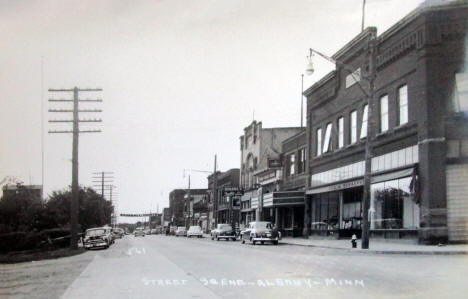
(166, 216)
(259, 173)
(227, 206)
(176, 206)
(196, 208)
(34, 190)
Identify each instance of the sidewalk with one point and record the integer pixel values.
(376, 246)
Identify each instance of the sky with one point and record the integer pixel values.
(180, 79)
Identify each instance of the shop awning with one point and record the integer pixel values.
(283, 198)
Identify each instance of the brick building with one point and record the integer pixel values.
(261, 172)
(418, 132)
(227, 206)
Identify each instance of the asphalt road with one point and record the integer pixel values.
(158, 266)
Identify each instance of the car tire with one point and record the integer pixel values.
(275, 242)
(217, 239)
(243, 241)
(262, 242)
(253, 242)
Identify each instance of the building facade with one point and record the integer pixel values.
(417, 133)
(226, 201)
(261, 170)
(176, 206)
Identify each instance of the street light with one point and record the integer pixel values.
(370, 94)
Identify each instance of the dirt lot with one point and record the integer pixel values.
(27, 280)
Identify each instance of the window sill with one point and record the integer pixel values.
(402, 127)
(382, 134)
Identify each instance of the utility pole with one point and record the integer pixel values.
(105, 180)
(75, 131)
(215, 192)
(363, 14)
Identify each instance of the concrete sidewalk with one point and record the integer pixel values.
(377, 246)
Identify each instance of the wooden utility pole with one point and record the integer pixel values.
(215, 193)
(75, 131)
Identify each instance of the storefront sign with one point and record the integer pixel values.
(336, 187)
(274, 163)
(268, 176)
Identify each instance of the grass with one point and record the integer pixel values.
(36, 255)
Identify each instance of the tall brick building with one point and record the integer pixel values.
(418, 134)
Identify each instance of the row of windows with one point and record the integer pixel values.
(324, 143)
(296, 163)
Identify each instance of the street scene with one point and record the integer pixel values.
(166, 266)
(234, 149)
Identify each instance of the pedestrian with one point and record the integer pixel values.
(354, 241)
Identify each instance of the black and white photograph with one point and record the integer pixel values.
(233, 149)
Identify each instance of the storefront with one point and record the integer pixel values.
(336, 206)
(286, 210)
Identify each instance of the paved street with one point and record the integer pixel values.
(158, 266)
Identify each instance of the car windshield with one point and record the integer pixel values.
(194, 228)
(181, 228)
(95, 232)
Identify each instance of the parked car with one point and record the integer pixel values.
(194, 231)
(223, 231)
(98, 237)
(154, 231)
(111, 234)
(139, 231)
(118, 232)
(172, 230)
(261, 231)
(181, 231)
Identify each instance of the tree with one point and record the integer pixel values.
(94, 210)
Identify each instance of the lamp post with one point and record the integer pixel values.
(369, 92)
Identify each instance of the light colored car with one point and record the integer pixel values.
(223, 231)
(98, 237)
(181, 231)
(139, 231)
(261, 231)
(194, 231)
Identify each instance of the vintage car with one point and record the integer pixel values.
(139, 231)
(99, 237)
(194, 231)
(223, 231)
(181, 231)
(261, 231)
(118, 232)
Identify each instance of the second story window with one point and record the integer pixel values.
(384, 113)
(364, 122)
(403, 105)
(327, 143)
(319, 141)
(353, 126)
(301, 161)
(292, 160)
(340, 132)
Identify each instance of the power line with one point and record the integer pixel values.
(75, 131)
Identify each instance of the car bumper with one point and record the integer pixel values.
(265, 239)
(95, 245)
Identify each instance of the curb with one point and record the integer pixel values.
(406, 252)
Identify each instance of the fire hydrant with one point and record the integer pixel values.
(354, 241)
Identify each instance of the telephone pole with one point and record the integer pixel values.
(105, 180)
(75, 131)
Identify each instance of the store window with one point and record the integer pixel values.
(327, 143)
(352, 212)
(326, 211)
(393, 205)
(384, 113)
(403, 105)
(364, 122)
(319, 142)
(353, 126)
(340, 132)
